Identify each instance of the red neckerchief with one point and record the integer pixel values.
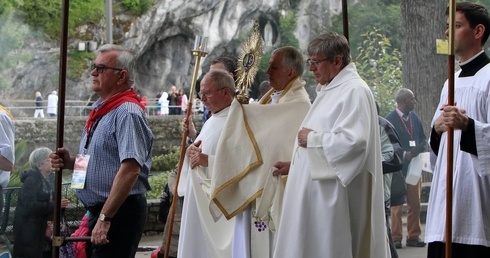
(112, 103)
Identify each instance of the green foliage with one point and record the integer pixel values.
(264, 62)
(20, 151)
(161, 166)
(364, 16)
(84, 12)
(157, 183)
(379, 64)
(167, 161)
(137, 7)
(287, 25)
(46, 15)
(43, 14)
(78, 63)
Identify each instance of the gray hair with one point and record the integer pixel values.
(230, 64)
(125, 60)
(331, 44)
(222, 79)
(403, 94)
(38, 156)
(292, 58)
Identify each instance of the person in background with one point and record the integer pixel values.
(35, 207)
(7, 149)
(53, 104)
(264, 87)
(470, 118)
(115, 153)
(173, 98)
(39, 112)
(183, 101)
(333, 200)
(163, 102)
(413, 141)
(392, 154)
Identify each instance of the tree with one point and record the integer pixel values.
(379, 64)
(424, 71)
(363, 16)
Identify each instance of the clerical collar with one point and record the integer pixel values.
(474, 64)
(275, 96)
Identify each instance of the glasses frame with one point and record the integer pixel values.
(209, 93)
(315, 63)
(101, 68)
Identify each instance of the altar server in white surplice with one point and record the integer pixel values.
(200, 235)
(470, 118)
(333, 201)
(291, 103)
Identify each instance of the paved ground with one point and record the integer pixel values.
(405, 252)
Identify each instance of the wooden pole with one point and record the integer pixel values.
(345, 19)
(450, 134)
(198, 53)
(57, 240)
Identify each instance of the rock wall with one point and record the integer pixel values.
(163, 39)
(42, 132)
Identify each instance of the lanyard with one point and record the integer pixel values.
(89, 135)
(410, 132)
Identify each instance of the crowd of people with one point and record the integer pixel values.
(281, 177)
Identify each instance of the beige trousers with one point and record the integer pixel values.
(412, 199)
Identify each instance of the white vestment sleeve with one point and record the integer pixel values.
(319, 166)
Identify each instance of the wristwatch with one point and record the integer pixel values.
(103, 217)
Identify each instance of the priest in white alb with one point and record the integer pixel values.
(333, 201)
(200, 235)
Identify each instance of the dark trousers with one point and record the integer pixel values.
(438, 250)
(394, 253)
(126, 228)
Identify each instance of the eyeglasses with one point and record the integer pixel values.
(101, 68)
(208, 94)
(315, 63)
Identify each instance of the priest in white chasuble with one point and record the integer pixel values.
(254, 139)
(200, 235)
(333, 201)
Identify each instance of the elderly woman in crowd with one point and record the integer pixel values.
(34, 207)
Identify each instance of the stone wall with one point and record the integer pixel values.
(42, 132)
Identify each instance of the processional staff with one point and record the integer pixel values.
(345, 19)
(450, 133)
(57, 239)
(199, 51)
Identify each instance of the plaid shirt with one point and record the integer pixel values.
(121, 134)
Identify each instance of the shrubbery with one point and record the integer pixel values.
(167, 161)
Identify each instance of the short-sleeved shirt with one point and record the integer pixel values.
(121, 134)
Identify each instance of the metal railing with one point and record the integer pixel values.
(25, 108)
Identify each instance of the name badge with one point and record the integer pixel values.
(411, 143)
(80, 171)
